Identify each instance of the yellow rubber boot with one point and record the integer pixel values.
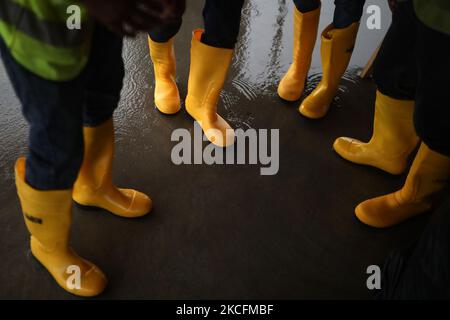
(429, 174)
(209, 68)
(94, 186)
(48, 216)
(305, 34)
(336, 51)
(393, 138)
(167, 97)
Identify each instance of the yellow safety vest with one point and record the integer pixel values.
(38, 37)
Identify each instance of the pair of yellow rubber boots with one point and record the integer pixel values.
(48, 214)
(336, 50)
(208, 72)
(393, 140)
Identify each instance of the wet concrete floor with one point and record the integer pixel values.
(224, 231)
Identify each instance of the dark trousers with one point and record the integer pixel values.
(421, 271)
(413, 65)
(57, 111)
(346, 12)
(222, 20)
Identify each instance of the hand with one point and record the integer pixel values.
(392, 4)
(127, 17)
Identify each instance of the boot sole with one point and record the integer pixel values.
(88, 208)
(167, 114)
(98, 209)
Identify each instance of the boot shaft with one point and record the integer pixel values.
(336, 50)
(306, 27)
(208, 72)
(47, 214)
(429, 174)
(163, 58)
(96, 169)
(393, 128)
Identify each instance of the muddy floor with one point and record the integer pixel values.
(224, 231)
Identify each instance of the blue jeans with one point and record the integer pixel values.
(345, 13)
(222, 19)
(57, 111)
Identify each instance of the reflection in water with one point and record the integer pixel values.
(260, 47)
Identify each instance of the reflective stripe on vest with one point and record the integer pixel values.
(44, 45)
(50, 32)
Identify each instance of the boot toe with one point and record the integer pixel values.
(140, 203)
(168, 106)
(167, 97)
(93, 282)
(290, 90)
(369, 213)
(384, 211)
(344, 146)
(229, 138)
(221, 138)
(219, 132)
(312, 111)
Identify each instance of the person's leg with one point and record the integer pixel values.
(395, 69)
(305, 6)
(222, 20)
(338, 41)
(432, 113)
(347, 12)
(160, 42)
(94, 186)
(306, 23)
(104, 77)
(211, 54)
(164, 33)
(54, 115)
(395, 75)
(430, 171)
(45, 178)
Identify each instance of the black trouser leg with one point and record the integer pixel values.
(307, 5)
(222, 20)
(166, 32)
(395, 69)
(347, 12)
(432, 111)
(104, 77)
(413, 65)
